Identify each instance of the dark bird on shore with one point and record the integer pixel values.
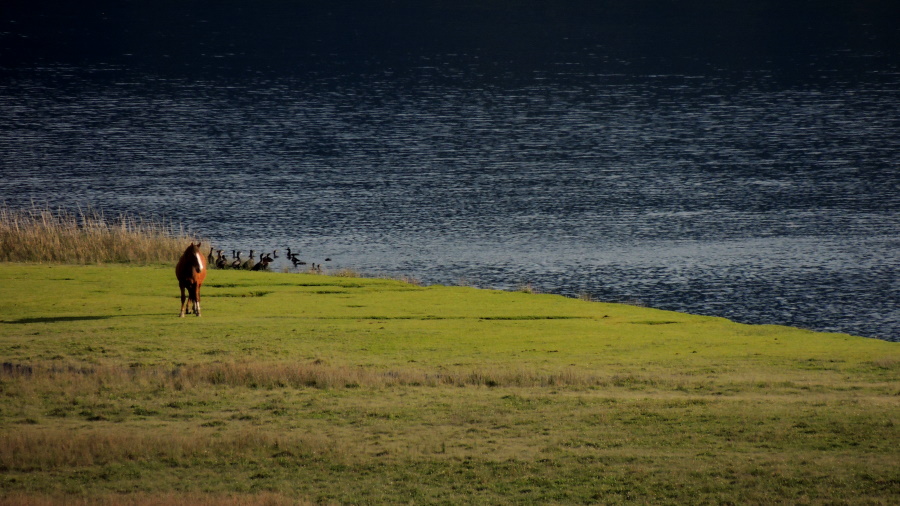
(236, 264)
(296, 261)
(249, 263)
(210, 258)
(262, 265)
(221, 260)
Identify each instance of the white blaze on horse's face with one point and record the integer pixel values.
(199, 260)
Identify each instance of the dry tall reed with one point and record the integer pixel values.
(85, 237)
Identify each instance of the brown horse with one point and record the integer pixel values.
(191, 271)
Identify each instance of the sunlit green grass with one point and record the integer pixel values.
(337, 389)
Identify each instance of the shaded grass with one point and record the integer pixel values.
(156, 499)
(398, 444)
(355, 390)
(86, 237)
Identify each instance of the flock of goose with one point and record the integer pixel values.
(254, 263)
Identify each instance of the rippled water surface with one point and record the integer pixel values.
(735, 193)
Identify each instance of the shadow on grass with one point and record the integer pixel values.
(57, 319)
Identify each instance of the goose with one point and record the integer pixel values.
(221, 260)
(236, 264)
(209, 258)
(249, 263)
(262, 265)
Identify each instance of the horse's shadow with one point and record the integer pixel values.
(61, 319)
(57, 319)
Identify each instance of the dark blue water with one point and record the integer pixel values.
(751, 175)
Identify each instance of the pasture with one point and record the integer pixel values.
(301, 388)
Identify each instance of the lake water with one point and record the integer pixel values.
(762, 187)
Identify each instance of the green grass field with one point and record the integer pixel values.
(297, 388)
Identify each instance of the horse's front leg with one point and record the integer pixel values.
(197, 301)
(183, 303)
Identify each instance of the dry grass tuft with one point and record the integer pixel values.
(143, 499)
(86, 237)
(526, 288)
(887, 363)
(410, 280)
(75, 379)
(320, 375)
(347, 273)
(36, 448)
